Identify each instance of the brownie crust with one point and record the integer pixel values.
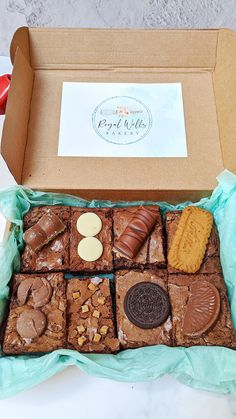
(221, 333)
(54, 336)
(54, 256)
(131, 336)
(105, 262)
(152, 253)
(90, 316)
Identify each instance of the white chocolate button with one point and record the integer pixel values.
(89, 224)
(90, 249)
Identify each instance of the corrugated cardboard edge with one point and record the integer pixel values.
(224, 78)
(17, 115)
(20, 40)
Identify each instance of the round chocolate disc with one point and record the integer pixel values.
(147, 305)
(202, 309)
(31, 324)
(40, 289)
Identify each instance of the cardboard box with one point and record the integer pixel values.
(204, 61)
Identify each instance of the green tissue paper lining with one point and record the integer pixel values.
(209, 368)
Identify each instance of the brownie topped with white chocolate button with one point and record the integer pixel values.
(90, 315)
(91, 240)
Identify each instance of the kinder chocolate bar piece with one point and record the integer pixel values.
(136, 232)
(46, 229)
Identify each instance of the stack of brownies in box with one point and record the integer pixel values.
(63, 297)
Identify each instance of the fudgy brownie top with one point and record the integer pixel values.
(37, 318)
(33, 216)
(152, 251)
(221, 333)
(90, 315)
(105, 262)
(129, 334)
(211, 261)
(55, 255)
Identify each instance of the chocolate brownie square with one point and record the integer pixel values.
(90, 316)
(37, 317)
(221, 332)
(130, 335)
(55, 255)
(105, 262)
(152, 252)
(211, 261)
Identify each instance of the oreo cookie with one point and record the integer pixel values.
(147, 305)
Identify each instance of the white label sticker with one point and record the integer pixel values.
(122, 120)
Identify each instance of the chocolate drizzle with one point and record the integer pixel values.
(136, 232)
(41, 233)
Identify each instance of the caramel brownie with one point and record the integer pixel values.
(211, 261)
(142, 308)
(37, 317)
(96, 254)
(90, 316)
(200, 310)
(151, 253)
(54, 256)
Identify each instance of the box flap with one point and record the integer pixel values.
(15, 127)
(60, 48)
(225, 95)
(20, 40)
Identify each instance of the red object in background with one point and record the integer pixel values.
(4, 87)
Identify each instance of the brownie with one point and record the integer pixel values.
(221, 333)
(105, 262)
(90, 316)
(152, 253)
(130, 335)
(54, 256)
(211, 261)
(42, 295)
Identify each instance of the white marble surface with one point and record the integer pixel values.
(114, 13)
(72, 393)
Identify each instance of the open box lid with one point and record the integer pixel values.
(204, 61)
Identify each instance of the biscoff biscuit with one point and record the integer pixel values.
(190, 240)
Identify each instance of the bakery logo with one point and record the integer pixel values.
(122, 120)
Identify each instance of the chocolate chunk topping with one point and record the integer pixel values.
(202, 309)
(40, 289)
(136, 232)
(46, 229)
(147, 305)
(35, 237)
(31, 324)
